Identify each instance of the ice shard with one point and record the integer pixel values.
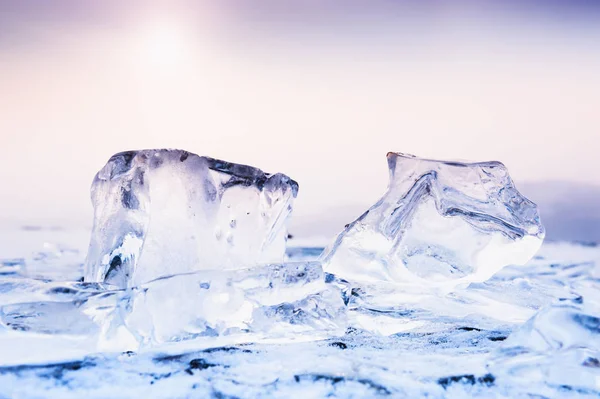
(560, 345)
(439, 224)
(164, 212)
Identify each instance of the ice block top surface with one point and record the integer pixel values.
(123, 162)
(482, 192)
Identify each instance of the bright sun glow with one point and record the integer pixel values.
(164, 44)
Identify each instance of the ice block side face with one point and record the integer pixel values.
(281, 300)
(164, 212)
(439, 223)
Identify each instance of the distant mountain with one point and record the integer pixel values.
(570, 212)
(326, 223)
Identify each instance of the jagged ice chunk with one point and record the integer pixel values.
(439, 224)
(164, 212)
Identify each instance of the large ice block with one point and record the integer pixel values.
(164, 212)
(439, 224)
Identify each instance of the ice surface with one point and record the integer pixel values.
(560, 345)
(439, 224)
(448, 348)
(164, 212)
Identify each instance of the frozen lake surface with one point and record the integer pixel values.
(456, 347)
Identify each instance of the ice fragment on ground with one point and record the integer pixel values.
(439, 224)
(277, 301)
(164, 212)
(11, 266)
(560, 345)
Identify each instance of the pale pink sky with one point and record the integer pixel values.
(320, 99)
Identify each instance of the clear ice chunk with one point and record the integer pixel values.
(439, 224)
(165, 212)
(277, 301)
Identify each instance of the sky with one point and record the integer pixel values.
(319, 90)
